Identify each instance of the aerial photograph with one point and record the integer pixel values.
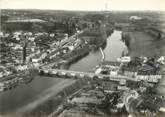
(82, 58)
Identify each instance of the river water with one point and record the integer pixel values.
(113, 50)
(14, 99)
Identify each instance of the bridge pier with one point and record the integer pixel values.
(72, 75)
(81, 75)
(76, 74)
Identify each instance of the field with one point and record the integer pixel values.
(142, 44)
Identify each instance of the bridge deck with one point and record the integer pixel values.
(89, 74)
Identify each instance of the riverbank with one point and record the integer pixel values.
(18, 97)
(75, 55)
(51, 98)
(41, 98)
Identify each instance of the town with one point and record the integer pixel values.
(98, 60)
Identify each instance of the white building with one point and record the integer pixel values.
(133, 18)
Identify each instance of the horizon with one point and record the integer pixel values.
(85, 5)
(86, 10)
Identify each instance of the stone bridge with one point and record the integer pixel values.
(78, 74)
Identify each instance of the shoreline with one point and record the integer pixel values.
(56, 98)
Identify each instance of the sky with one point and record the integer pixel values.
(90, 5)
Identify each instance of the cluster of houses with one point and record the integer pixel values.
(147, 69)
(24, 45)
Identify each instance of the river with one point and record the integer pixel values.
(12, 100)
(113, 50)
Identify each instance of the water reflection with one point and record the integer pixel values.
(115, 46)
(113, 50)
